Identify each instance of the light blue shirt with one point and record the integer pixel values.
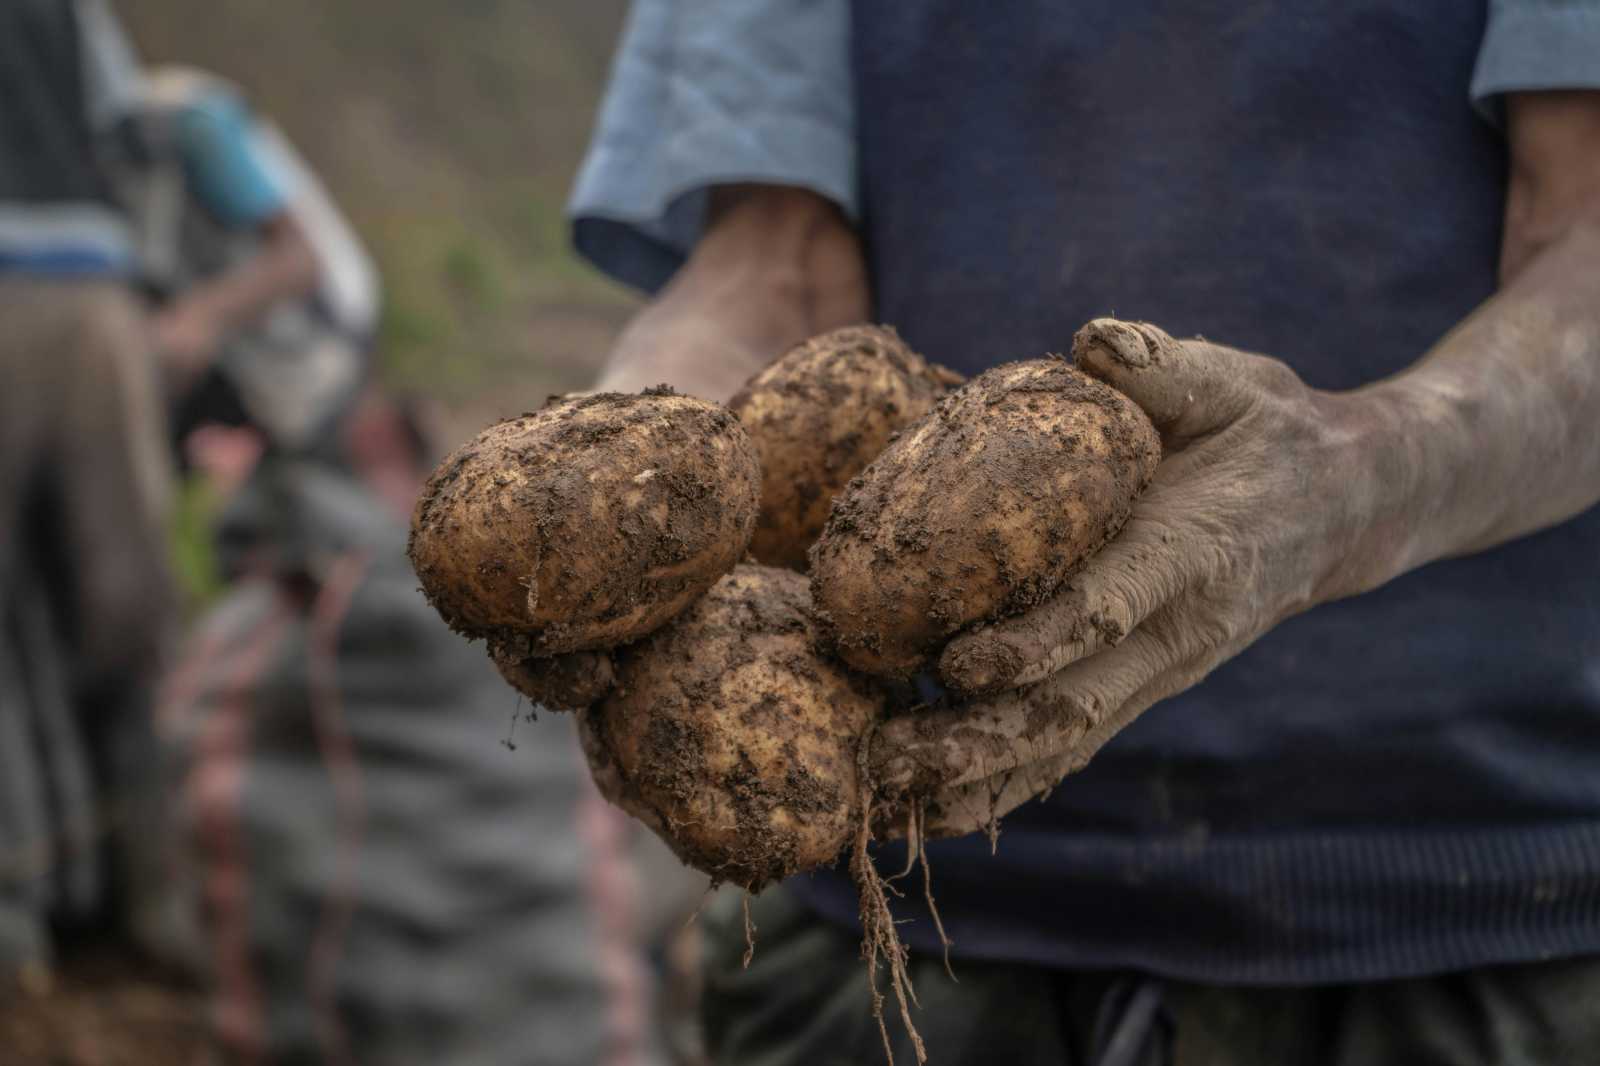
(226, 165)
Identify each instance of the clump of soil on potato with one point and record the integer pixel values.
(818, 416)
(586, 524)
(979, 511)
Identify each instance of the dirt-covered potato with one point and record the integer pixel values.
(979, 511)
(589, 523)
(732, 738)
(818, 416)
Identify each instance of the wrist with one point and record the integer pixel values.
(775, 267)
(789, 248)
(1386, 448)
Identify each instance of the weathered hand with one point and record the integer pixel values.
(1253, 516)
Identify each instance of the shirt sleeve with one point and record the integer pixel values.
(705, 93)
(223, 159)
(111, 78)
(1536, 44)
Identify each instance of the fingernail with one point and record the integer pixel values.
(1132, 344)
(979, 666)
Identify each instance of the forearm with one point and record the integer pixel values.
(776, 266)
(1496, 432)
(284, 269)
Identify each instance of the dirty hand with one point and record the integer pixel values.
(1253, 515)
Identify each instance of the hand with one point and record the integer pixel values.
(187, 338)
(1253, 515)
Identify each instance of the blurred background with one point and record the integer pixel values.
(449, 135)
(296, 820)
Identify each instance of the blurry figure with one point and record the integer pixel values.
(382, 879)
(379, 878)
(266, 299)
(84, 595)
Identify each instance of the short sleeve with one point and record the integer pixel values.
(708, 93)
(1536, 44)
(226, 167)
(111, 79)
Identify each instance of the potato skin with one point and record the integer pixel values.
(818, 416)
(979, 511)
(588, 523)
(732, 738)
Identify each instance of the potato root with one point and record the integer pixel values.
(586, 524)
(732, 738)
(818, 416)
(979, 511)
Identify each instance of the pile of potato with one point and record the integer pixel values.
(599, 548)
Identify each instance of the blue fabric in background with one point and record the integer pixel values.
(226, 169)
(1403, 783)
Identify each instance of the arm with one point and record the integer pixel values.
(1498, 427)
(721, 176)
(231, 171)
(285, 267)
(1274, 497)
(776, 265)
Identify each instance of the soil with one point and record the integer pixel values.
(100, 1008)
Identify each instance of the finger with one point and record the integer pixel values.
(979, 805)
(558, 683)
(1146, 566)
(921, 753)
(1188, 388)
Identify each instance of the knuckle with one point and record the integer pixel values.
(1273, 377)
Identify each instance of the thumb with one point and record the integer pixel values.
(1188, 388)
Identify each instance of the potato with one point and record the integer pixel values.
(586, 524)
(818, 416)
(729, 736)
(979, 511)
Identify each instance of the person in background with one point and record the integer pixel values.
(377, 878)
(85, 599)
(265, 302)
(1360, 823)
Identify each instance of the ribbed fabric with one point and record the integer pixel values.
(1293, 910)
